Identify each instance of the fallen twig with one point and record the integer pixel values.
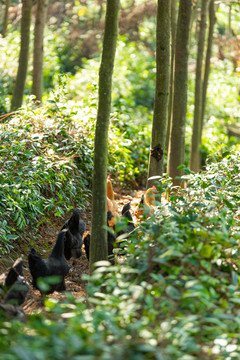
(3, 117)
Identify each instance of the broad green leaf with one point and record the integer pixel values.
(206, 251)
(235, 278)
(173, 292)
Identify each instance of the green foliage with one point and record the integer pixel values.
(9, 49)
(223, 19)
(47, 161)
(222, 109)
(128, 153)
(174, 296)
(46, 168)
(133, 80)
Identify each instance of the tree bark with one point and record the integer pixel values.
(177, 136)
(5, 18)
(98, 245)
(41, 13)
(18, 92)
(173, 45)
(160, 116)
(195, 157)
(212, 20)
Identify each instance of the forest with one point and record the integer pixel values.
(120, 179)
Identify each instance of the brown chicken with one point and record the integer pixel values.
(147, 203)
(150, 197)
(111, 202)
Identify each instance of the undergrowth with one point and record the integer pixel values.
(44, 171)
(47, 162)
(175, 295)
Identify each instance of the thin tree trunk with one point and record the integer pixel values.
(98, 245)
(194, 20)
(212, 20)
(229, 28)
(18, 92)
(194, 13)
(195, 158)
(177, 136)
(100, 12)
(62, 8)
(41, 13)
(173, 44)
(5, 18)
(160, 116)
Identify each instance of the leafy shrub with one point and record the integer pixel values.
(189, 256)
(46, 167)
(47, 161)
(222, 109)
(128, 152)
(8, 68)
(174, 296)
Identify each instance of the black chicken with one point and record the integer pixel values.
(127, 219)
(73, 239)
(55, 265)
(14, 287)
(110, 239)
(124, 227)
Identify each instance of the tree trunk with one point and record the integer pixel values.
(5, 18)
(229, 28)
(212, 20)
(173, 44)
(98, 245)
(195, 158)
(18, 92)
(160, 116)
(177, 137)
(194, 14)
(62, 9)
(41, 13)
(100, 12)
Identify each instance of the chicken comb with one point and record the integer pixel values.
(109, 177)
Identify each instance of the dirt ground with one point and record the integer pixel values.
(74, 282)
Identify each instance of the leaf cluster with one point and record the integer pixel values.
(46, 169)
